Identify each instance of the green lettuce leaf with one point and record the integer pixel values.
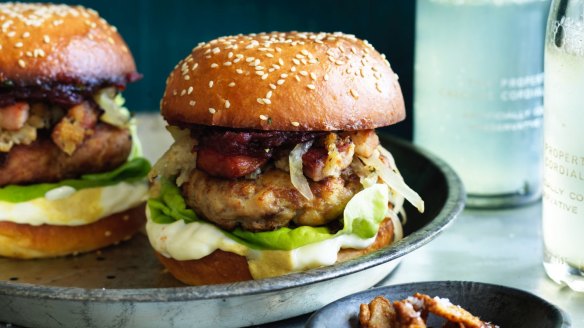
(362, 216)
(133, 170)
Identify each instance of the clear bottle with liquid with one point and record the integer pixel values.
(563, 192)
(478, 89)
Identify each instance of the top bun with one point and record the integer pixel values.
(44, 43)
(284, 81)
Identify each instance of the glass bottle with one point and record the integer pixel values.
(563, 192)
(478, 89)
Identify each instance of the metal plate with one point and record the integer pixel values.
(125, 286)
(503, 306)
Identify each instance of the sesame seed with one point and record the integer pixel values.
(186, 77)
(339, 62)
(227, 104)
(230, 54)
(396, 76)
(216, 50)
(239, 71)
(212, 110)
(272, 86)
(195, 66)
(259, 68)
(293, 69)
(303, 73)
(295, 123)
(263, 117)
(373, 68)
(25, 35)
(183, 92)
(269, 55)
(305, 52)
(249, 59)
(280, 82)
(18, 45)
(269, 94)
(21, 63)
(284, 75)
(261, 101)
(265, 76)
(354, 93)
(231, 84)
(190, 90)
(227, 63)
(259, 72)
(313, 76)
(236, 60)
(378, 87)
(210, 84)
(280, 61)
(267, 101)
(297, 78)
(299, 56)
(192, 103)
(11, 34)
(311, 86)
(214, 65)
(326, 77)
(295, 61)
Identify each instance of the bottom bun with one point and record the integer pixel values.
(224, 267)
(26, 241)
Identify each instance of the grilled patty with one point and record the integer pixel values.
(42, 161)
(268, 202)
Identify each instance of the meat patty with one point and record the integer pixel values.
(268, 202)
(43, 161)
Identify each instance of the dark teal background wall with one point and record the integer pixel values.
(160, 33)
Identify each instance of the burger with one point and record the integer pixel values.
(71, 176)
(276, 166)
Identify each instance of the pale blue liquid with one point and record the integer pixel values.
(478, 92)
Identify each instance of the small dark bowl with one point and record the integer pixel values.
(503, 306)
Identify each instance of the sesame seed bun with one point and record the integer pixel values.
(284, 81)
(27, 241)
(42, 43)
(222, 267)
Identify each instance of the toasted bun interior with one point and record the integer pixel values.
(224, 267)
(284, 81)
(25, 241)
(60, 43)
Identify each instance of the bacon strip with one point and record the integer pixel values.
(227, 166)
(13, 117)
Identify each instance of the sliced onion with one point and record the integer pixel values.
(398, 231)
(112, 104)
(394, 180)
(297, 177)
